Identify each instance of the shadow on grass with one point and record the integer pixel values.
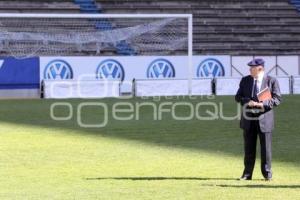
(257, 186)
(162, 178)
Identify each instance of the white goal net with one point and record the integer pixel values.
(27, 35)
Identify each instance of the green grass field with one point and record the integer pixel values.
(139, 159)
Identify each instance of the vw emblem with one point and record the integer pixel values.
(110, 69)
(58, 69)
(210, 68)
(161, 68)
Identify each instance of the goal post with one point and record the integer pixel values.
(56, 35)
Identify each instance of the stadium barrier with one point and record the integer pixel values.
(208, 86)
(285, 84)
(172, 87)
(59, 89)
(229, 86)
(19, 78)
(19, 93)
(296, 85)
(226, 86)
(80, 89)
(161, 87)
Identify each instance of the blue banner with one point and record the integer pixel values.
(19, 73)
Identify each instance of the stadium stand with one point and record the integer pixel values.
(231, 27)
(42, 6)
(88, 6)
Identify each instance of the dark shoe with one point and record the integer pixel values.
(268, 177)
(245, 178)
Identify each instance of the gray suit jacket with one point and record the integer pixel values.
(243, 96)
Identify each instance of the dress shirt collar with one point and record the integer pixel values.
(260, 77)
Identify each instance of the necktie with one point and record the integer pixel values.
(255, 91)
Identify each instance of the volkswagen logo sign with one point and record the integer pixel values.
(58, 69)
(110, 69)
(161, 68)
(210, 68)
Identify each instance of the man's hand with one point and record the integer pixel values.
(255, 104)
(251, 103)
(259, 105)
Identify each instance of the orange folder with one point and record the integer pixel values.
(264, 95)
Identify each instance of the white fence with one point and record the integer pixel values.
(55, 89)
(296, 85)
(227, 86)
(222, 86)
(155, 87)
(172, 87)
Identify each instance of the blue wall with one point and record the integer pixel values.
(19, 73)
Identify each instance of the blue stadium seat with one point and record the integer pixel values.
(87, 6)
(103, 24)
(296, 3)
(123, 48)
(91, 7)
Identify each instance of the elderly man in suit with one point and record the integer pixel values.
(257, 119)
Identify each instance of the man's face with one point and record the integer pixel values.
(254, 71)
